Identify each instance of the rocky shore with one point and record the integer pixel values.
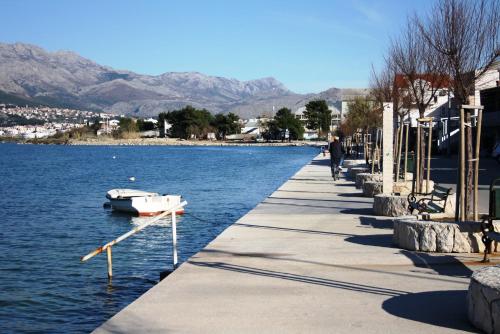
(179, 142)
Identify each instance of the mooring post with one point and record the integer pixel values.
(110, 262)
(174, 240)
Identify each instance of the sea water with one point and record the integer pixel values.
(51, 214)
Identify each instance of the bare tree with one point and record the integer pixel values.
(420, 71)
(384, 88)
(467, 34)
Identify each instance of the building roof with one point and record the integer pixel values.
(436, 80)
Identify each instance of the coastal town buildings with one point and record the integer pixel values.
(41, 122)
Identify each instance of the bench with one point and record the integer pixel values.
(487, 227)
(436, 203)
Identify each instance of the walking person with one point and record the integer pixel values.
(336, 156)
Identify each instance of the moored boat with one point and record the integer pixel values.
(142, 203)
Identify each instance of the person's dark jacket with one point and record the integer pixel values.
(336, 152)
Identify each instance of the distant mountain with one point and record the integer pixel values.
(34, 76)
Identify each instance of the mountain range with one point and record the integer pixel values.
(31, 75)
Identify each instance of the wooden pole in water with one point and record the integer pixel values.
(476, 167)
(462, 165)
(174, 239)
(407, 126)
(110, 262)
(429, 149)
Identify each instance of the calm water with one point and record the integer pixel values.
(51, 213)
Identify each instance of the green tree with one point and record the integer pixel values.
(142, 125)
(226, 125)
(363, 114)
(128, 125)
(318, 116)
(188, 121)
(285, 119)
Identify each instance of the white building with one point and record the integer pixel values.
(337, 118)
(487, 94)
(253, 126)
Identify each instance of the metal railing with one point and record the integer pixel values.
(107, 247)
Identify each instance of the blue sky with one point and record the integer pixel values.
(308, 45)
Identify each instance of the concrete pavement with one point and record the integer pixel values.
(311, 258)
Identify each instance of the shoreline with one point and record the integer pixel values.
(164, 142)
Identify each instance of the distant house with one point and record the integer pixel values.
(251, 126)
(439, 105)
(337, 118)
(487, 94)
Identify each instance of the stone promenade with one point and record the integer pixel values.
(311, 258)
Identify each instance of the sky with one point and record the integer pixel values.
(309, 46)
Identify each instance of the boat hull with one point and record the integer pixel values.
(146, 205)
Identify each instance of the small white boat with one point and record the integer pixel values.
(142, 203)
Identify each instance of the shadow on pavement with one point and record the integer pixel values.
(358, 211)
(287, 229)
(322, 162)
(378, 240)
(376, 223)
(447, 265)
(439, 308)
(301, 278)
(360, 195)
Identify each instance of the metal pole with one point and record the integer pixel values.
(407, 126)
(429, 158)
(110, 262)
(417, 160)
(476, 167)
(174, 240)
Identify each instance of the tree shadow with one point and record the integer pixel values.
(349, 184)
(439, 308)
(358, 211)
(376, 223)
(300, 278)
(378, 240)
(447, 265)
(360, 195)
(313, 199)
(287, 229)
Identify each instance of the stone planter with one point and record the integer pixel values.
(372, 188)
(483, 299)
(432, 236)
(390, 205)
(356, 170)
(363, 177)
